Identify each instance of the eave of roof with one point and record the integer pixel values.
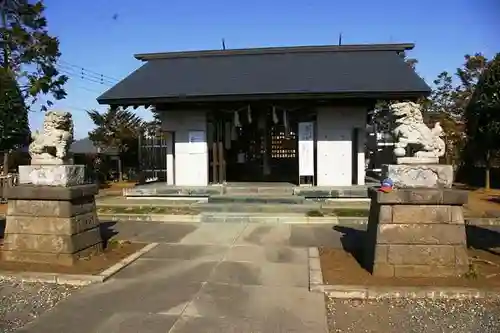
(305, 72)
(276, 50)
(380, 95)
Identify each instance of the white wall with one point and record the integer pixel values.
(361, 154)
(190, 160)
(334, 145)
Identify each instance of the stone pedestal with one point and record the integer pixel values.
(52, 175)
(51, 224)
(419, 175)
(417, 233)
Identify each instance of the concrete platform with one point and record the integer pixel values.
(159, 190)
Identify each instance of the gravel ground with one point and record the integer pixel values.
(21, 302)
(414, 316)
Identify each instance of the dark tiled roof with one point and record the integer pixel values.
(86, 146)
(376, 70)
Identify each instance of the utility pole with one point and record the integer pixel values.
(340, 39)
(223, 44)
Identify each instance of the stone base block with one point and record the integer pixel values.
(25, 210)
(396, 259)
(63, 259)
(418, 196)
(51, 225)
(52, 175)
(417, 233)
(55, 225)
(419, 175)
(54, 193)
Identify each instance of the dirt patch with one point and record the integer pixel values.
(341, 212)
(342, 267)
(114, 188)
(483, 203)
(148, 210)
(92, 265)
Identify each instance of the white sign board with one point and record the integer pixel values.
(197, 142)
(306, 149)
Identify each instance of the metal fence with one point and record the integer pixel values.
(153, 155)
(7, 181)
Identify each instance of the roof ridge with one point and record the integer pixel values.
(277, 50)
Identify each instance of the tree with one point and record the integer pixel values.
(28, 58)
(443, 98)
(156, 116)
(116, 128)
(155, 124)
(483, 117)
(454, 136)
(442, 107)
(28, 52)
(14, 127)
(468, 74)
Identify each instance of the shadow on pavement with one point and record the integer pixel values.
(353, 241)
(482, 238)
(2, 227)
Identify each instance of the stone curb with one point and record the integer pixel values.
(315, 274)
(377, 293)
(77, 279)
(150, 217)
(370, 293)
(333, 220)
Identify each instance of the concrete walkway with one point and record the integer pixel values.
(203, 278)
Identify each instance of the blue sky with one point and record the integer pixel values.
(443, 31)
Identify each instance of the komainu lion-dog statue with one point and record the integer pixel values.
(51, 146)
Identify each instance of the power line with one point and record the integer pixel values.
(83, 69)
(85, 77)
(85, 74)
(82, 76)
(77, 76)
(82, 73)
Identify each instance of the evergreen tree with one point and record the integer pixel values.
(28, 59)
(14, 126)
(483, 118)
(118, 129)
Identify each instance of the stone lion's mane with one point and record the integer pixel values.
(57, 121)
(411, 129)
(410, 114)
(57, 132)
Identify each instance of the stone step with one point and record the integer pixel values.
(257, 207)
(227, 217)
(269, 190)
(257, 199)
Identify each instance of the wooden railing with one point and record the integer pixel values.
(6, 181)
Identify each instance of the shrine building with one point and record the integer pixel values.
(282, 114)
